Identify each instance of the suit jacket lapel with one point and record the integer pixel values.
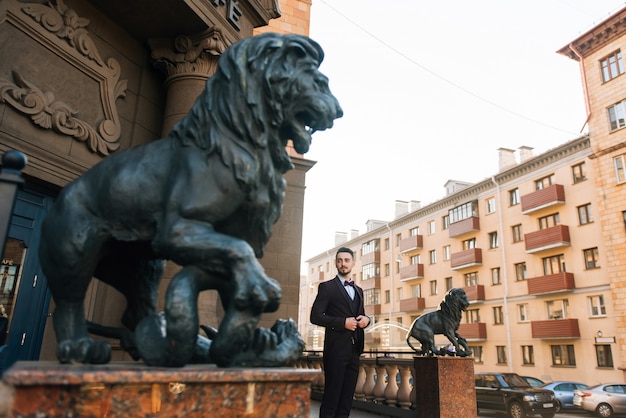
(343, 291)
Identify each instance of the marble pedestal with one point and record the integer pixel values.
(444, 387)
(50, 389)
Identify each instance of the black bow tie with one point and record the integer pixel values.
(350, 283)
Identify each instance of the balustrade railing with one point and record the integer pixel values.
(385, 382)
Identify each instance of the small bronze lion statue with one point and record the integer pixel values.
(205, 197)
(446, 321)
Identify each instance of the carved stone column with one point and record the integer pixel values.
(188, 61)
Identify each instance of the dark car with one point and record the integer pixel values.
(509, 393)
(564, 392)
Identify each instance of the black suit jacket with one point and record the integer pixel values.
(330, 309)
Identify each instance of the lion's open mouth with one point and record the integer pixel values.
(306, 122)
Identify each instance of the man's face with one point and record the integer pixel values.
(344, 263)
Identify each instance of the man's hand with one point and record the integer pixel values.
(362, 321)
(351, 323)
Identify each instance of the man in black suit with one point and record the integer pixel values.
(338, 307)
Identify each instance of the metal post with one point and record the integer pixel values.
(10, 179)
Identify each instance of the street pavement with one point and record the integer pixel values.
(315, 410)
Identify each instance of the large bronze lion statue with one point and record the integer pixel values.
(445, 321)
(205, 197)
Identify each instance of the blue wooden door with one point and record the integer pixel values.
(24, 294)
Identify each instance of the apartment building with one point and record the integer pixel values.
(525, 244)
(599, 54)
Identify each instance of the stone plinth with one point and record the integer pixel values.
(444, 387)
(50, 389)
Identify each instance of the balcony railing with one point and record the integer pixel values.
(465, 226)
(373, 257)
(412, 271)
(550, 283)
(555, 328)
(544, 198)
(373, 283)
(412, 304)
(467, 258)
(545, 239)
(473, 331)
(475, 293)
(371, 310)
(411, 244)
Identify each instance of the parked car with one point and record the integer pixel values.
(604, 400)
(564, 392)
(509, 393)
(533, 381)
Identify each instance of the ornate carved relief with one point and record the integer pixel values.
(189, 55)
(71, 41)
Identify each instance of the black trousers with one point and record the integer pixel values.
(340, 376)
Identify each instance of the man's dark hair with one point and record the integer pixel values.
(345, 250)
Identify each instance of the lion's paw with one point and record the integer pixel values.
(84, 350)
(257, 291)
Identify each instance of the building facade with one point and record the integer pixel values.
(526, 245)
(84, 79)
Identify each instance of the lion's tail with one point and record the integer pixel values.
(408, 341)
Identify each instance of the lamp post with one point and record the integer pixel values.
(10, 179)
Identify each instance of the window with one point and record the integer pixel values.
(468, 244)
(491, 205)
(471, 279)
(578, 173)
(448, 281)
(619, 163)
(387, 270)
(604, 355)
(432, 255)
(522, 312)
(544, 182)
(398, 266)
(553, 264)
(370, 246)
(612, 66)
(400, 293)
(416, 259)
(563, 355)
(516, 230)
(416, 290)
(414, 231)
(371, 297)
(549, 221)
(495, 276)
(371, 271)
(501, 350)
(616, 115)
(493, 240)
(514, 197)
(464, 211)
(433, 287)
(477, 353)
(472, 316)
(498, 315)
(584, 214)
(386, 244)
(591, 258)
(446, 252)
(558, 309)
(596, 306)
(520, 271)
(528, 355)
(431, 227)
(398, 239)
(445, 222)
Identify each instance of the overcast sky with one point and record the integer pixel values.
(430, 90)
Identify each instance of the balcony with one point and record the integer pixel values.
(467, 258)
(373, 257)
(373, 283)
(474, 331)
(544, 198)
(555, 328)
(371, 310)
(412, 304)
(411, 244)
(545, 239)
(465, 226)
(475, 293)
(558, 282)
(410, 272)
